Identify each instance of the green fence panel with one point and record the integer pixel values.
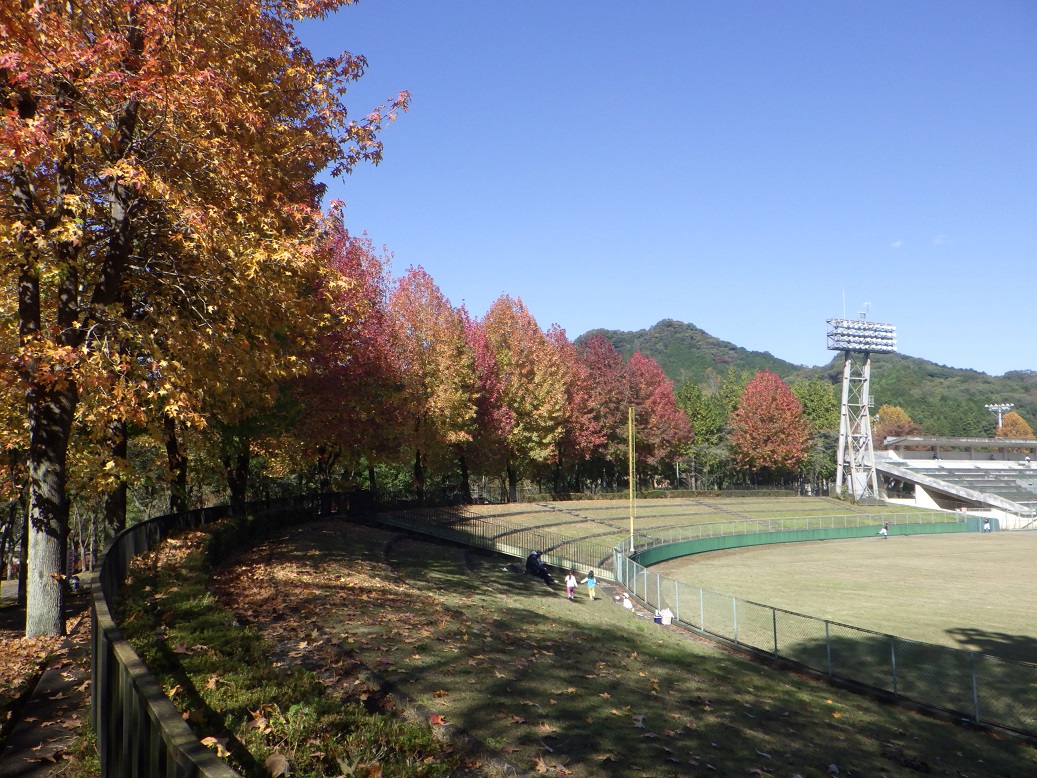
(662, 553)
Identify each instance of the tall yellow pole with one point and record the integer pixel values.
(630, 434)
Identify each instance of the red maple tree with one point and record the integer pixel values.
(768, 431)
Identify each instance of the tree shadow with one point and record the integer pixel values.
(1018, 648)
(972, 685)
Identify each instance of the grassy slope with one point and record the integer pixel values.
(559, 686)
(574, 519)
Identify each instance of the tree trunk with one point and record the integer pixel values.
(466, 487)
(177, 469)
(6, 539)
(50, 411)
(419, 477)
(23, 560)
(236, 465)
(115, 500)
(512, 483)
(371, 480)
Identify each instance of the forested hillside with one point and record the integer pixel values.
(686, 352)
(943, 400)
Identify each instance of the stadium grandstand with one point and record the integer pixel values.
(993, 476)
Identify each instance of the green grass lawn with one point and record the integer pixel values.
(970, 591)
(566, 688)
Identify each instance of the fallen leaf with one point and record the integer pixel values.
(639, 721)
(220, 744)
(260, 722)
(435, 718)
(277, 765)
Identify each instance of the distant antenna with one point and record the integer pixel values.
(863, 315)
(844, 302)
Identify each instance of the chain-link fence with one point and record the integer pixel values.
(977, 687)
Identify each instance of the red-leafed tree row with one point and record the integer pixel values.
(407, 377)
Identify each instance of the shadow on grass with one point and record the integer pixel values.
(1020, 648)
(974, 686)
(517, 665)
(474, 643)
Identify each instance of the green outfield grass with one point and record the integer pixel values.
(970, 591)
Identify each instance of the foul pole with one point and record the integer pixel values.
(630, 435)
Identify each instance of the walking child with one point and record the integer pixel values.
(571, 584)
(591, 583)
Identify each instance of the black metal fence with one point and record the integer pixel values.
(139, 732)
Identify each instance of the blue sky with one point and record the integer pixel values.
(751, 167)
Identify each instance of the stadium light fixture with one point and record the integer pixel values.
(861, 335)
(1000, 409)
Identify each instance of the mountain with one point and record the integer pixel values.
(944, 400)
(686, 352)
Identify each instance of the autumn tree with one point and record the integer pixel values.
(892, 421)
(159, 160)
(437, 371)
(486, 453)
(768, 431)
(582, 433)
(1015, 427)
(532, 386)
(661, 428)
(607, 390)
(347, 404)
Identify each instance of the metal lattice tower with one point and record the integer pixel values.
(855, 462)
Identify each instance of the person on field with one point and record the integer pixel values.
(591, 584)
(884, 531)
(570, 585)
(986, 525)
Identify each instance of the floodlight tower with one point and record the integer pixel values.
(855, 464)
(999, 409)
